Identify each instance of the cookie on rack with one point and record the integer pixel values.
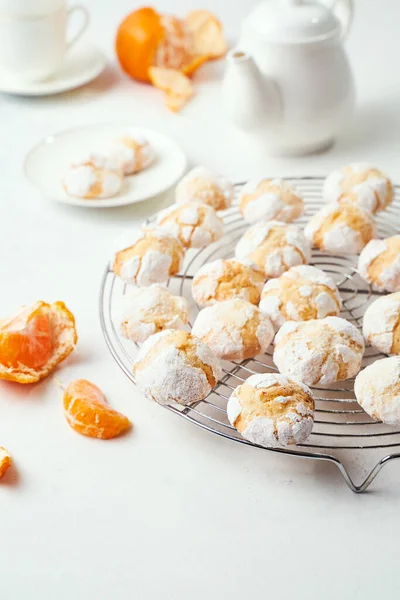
(205, 186)
(147, 310)
(340, 229)
(360, 184)
(176, 367)
(195, 225)
(319, 351)
(148, 256)
(234, 329)
(377, 389)
(270, 200)
(271, 410)
(133, 153)
(96, 176)
(273, 247)
(226, 279)
(381, 324)
(300, 294)
(379, 264)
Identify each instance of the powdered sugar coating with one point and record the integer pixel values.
(276, 421)
(387, 276)
(301, 293)
(380, 320)
(146, 310)
(339, 237)
(133, 153)
(254, 246)
(377, 389)
(319, 351)
(88, 181)
(361, 184)
(195, 225)
(234, 329)
(203, 185)
(165, 371)
(269, 199)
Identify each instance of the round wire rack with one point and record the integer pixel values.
(342, 430)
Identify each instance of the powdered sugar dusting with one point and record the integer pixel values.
(377, 389)
(379, 321)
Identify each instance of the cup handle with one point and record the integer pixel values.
(83, 27)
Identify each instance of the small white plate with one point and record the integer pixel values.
(47, 163)
(83, 63)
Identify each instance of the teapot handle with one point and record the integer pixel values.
(344, 10)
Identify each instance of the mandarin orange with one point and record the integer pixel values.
(87, 412)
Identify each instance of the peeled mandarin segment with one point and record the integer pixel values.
(5, 461)
(206, 30)
(176, 85)
(35, 341)
(138, 38)
(87, 412)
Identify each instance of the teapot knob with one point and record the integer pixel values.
(344, 10)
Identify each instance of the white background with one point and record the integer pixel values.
(169, 511)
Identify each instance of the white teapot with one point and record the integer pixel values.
(289, 81)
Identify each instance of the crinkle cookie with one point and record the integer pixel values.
(176, 367)
(340, 229)
(271, 410)
(195, 225)
(381, 324)
(132, 153)
(379, 264)
(274, 247)
(150, 256)
(234, 329)
(205, 186)
(226, 279)
(95, 177)
(300, 294)
(270, 199)
(377, 389)
(148, 310)
(360, 184)
(319, 351)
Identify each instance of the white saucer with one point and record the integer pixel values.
(83, 63)
(47, 163)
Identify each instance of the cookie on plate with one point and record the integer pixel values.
(148, 256)
(379, 264)
(270, 200)
(360, 184)
(234, 329)
(133, 153)
(226, 279)
(205, 186)
(148, 310)
(340, 229)
(273, 247)
(97, 176)
(320, 351)
(176, 367)
(271, 410)
(300, 294)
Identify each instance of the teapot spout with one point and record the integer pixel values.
(252, 99)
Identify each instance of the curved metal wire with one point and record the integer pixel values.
(340, 424)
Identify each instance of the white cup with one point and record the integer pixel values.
(33, 47)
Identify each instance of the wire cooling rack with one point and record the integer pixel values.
(342, 430)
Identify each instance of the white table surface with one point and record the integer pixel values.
(170, 511)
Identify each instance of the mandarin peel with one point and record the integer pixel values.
(5, 461)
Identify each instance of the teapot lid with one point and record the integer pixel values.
(293, 21)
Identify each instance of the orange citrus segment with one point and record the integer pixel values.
(35, 341)
(176, 85)
(5, 461)
(137, 41)
(207, 35)
(87, 412)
